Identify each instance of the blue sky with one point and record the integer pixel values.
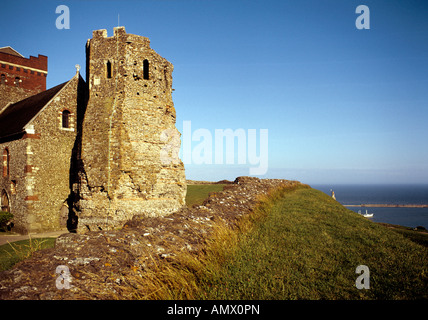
(341, 105)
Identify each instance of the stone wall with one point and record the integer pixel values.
(15, 182)
(128, 125)
(50, 161)
(100, 262)
(38, 182)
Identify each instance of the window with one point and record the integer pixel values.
(109, 73)
(66, 119)
(146, 69)
(6, 162)
(3, 79)
(13, 186)
(17, 81)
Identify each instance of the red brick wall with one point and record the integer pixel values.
(41, 62)
(13, 66)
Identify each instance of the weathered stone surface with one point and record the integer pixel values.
(100, 261)
(128, 130)
(118, 156)
(38, 181)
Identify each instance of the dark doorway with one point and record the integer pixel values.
(4, 201)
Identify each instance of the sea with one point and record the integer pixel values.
(384, 194)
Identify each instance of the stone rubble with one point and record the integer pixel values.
(99, 260)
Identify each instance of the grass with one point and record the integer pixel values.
(418, 236)
(197, 193)
(14, 252)
(308, 247)
(299, 244)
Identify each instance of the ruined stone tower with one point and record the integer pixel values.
(127, 150)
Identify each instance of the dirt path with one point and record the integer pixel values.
(5, 238)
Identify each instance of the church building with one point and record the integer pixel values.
(89, 155)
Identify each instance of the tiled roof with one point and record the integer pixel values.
(10, 50)
(15, 116)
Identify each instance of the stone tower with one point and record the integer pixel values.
(127, 151)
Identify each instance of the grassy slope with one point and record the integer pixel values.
(300, 244)
(420, 237)
(308, 247)
(197, 193)
(12, 253)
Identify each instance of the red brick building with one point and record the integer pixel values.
(20, 77)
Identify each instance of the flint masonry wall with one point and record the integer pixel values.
(37, 178)
(14, 182)
(49, 156)
(129, 124)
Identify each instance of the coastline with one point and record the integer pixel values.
(388, 205)
(418, 234)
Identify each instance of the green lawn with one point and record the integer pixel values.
(197, 193)
(308, 247)
(12, 253)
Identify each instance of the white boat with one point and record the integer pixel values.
(366, 215)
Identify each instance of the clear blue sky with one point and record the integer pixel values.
(341, 105)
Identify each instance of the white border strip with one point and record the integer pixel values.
(23, 67)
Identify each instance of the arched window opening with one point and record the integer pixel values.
(4, 201)
(109, 70)
(3, 79)
(13, 186)
(146, 69)
(66, 119)
(17, 81)
(6, 162)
